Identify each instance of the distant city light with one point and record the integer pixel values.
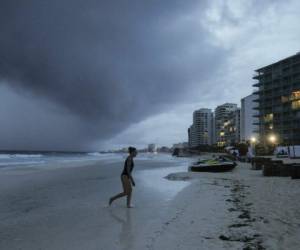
(253, 139)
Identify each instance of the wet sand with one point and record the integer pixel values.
(66, 208)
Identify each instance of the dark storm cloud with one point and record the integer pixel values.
(36, 124)
(110, 63)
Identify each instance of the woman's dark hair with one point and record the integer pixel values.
(131, 150)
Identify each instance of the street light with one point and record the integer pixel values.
(272, 139)
(253, 139)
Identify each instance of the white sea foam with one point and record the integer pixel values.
(27, 155)
(21, 163)
(40, 159)
(95, 154)
(5, 156)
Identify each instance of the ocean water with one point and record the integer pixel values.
(22, 159)
(40, 159)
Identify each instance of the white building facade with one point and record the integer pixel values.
(249, 116)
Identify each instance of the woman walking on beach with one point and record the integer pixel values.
(126, 178)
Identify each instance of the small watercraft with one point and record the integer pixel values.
(220, 164)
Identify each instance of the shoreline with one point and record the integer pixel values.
(62, 207)
(66, 208)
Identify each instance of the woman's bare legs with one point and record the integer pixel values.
(129, 199)
(127, 191)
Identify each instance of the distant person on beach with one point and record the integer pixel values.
(126, 178)
(250, 154)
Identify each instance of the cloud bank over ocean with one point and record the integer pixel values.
(76, 73)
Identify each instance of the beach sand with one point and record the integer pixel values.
(65, 207)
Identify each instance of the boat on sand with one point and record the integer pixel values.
(220, 164)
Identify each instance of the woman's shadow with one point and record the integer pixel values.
(126, 235)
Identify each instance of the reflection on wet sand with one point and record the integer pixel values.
(126, 236)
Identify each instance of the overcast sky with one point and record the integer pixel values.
(92, 74)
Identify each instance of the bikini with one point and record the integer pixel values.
(125, 169)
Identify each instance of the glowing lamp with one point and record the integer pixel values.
(272, 138)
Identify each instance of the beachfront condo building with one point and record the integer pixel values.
(249, 129)
(200, 132)
(151, 148)
(223, 119)
(279, 101)
(214, 140)
(232, 133)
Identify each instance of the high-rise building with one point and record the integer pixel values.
(151, 147)
(192, 137)
(214, 140)
(279, 101)
(222, 115)
(200, 133)
(232, 127)
(249, 118)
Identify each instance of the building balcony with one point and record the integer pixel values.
(288, 121)
(266, 105)
(256, 76)
(257, 92)
(256, 123)
(266, 82)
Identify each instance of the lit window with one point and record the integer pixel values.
(296, 104)
(284, 99)
(295, 95)
(268, 117)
